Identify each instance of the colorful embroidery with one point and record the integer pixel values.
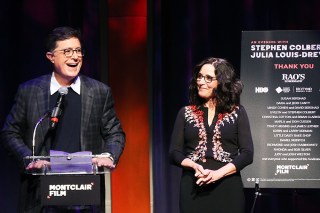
(194, 115)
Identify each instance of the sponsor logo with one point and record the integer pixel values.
(285, 169)
(283, 89)
(61, 190)
(293, 78)
(261, 89)
(303, 89)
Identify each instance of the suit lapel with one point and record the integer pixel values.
(43, 98)
(43, 107)
(86, 107)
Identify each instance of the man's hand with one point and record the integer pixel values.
(38, 164)
(103, 161)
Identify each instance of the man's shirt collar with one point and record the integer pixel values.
(55, 86)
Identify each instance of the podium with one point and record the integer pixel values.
(71, 180)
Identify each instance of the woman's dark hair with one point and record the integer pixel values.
(229, 87)
(60, 34)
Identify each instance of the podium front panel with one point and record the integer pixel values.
(70, 190)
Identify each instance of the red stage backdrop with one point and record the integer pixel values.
(128, 78)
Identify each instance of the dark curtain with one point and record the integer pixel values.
(183, 33)
(24, 27)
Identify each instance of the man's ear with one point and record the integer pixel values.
(50, 56)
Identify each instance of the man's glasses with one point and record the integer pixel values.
(207, 78)
(69, 52)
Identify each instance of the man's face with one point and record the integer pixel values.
(67, 60)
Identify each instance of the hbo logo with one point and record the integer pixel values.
(261, 89)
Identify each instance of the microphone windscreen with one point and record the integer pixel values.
(63, 90)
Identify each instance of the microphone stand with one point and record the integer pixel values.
(257, 193)
(34, 132)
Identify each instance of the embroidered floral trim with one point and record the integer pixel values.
(194, 115)
(218, 153)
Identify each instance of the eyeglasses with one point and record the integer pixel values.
(207, 78)
(69, 52)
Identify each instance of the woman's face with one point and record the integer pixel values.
(206, 81)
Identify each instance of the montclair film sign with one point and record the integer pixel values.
(281, 74)
(70, 190)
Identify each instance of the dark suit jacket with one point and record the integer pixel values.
(101, 130)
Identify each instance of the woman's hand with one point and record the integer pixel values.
(199, 171)
(210, 177)
(207, 176)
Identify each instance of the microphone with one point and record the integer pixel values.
(257, 189)
(56, 112)
(256, 186)
(35, 130)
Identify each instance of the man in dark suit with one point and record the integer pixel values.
(88, 121)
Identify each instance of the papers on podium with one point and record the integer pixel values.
(64, 162)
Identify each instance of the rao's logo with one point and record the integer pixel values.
(261, 89)
(293, 78)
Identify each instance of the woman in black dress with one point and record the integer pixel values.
(212, 141)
